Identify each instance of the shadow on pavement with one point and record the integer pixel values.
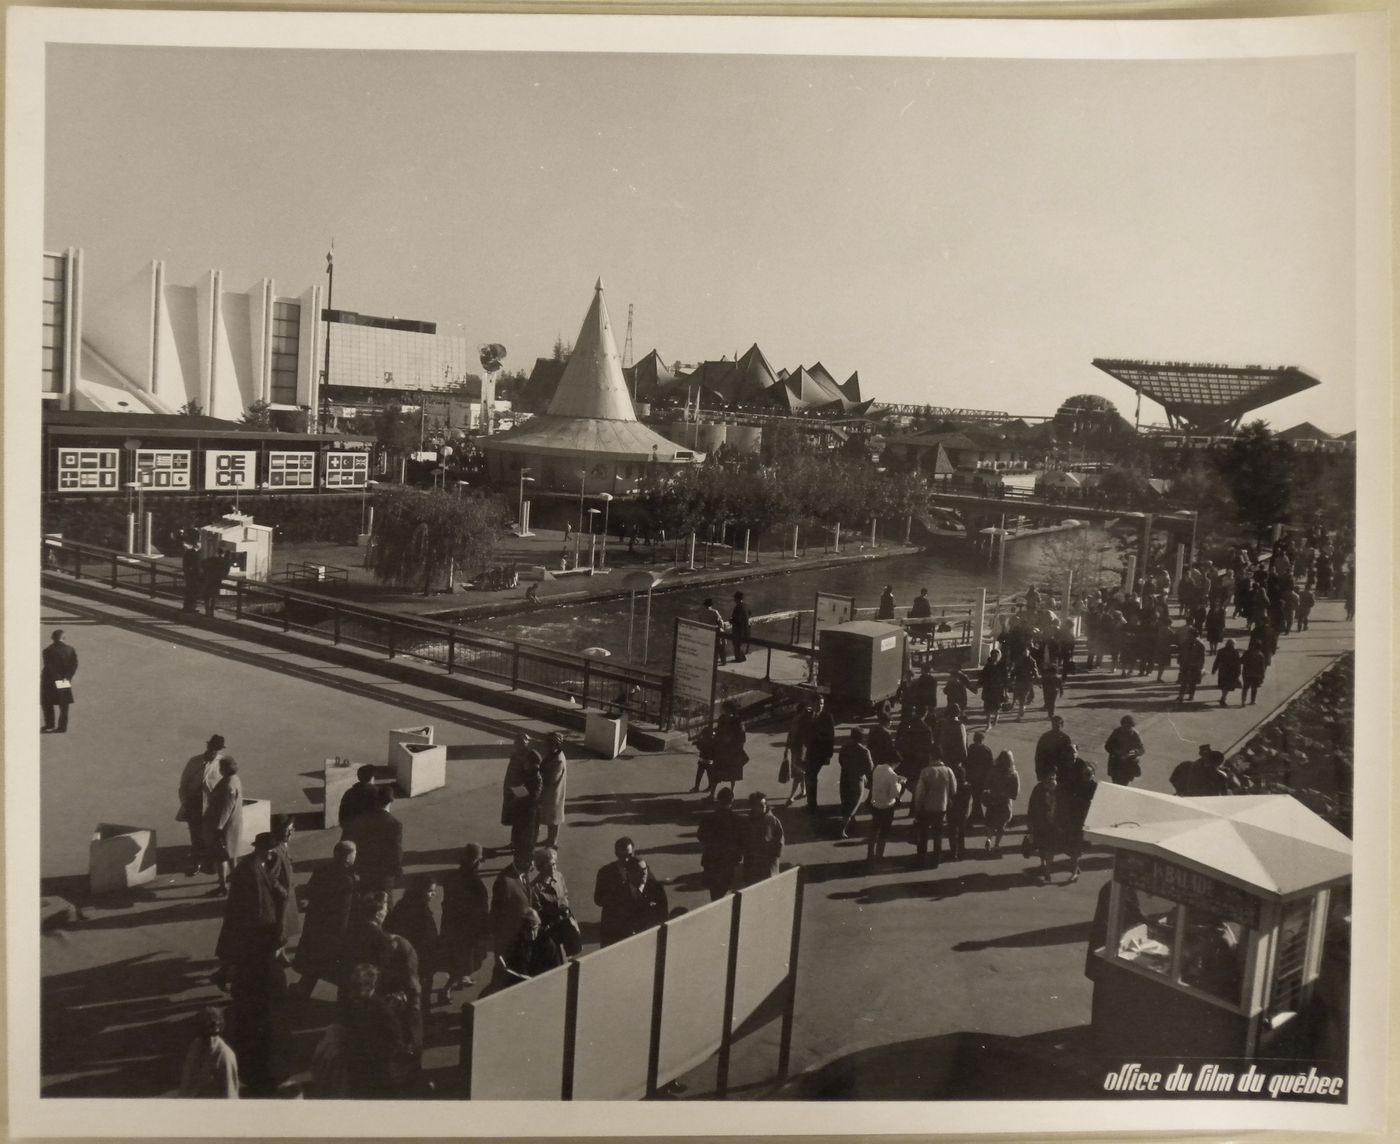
(958, 1066)
(1075, 933)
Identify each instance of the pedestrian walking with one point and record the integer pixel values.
(795, 752)
(730, 754)
(1215, 626)
(921, 693)
(821, 744)
(978, 772)
(412, 919)
(705, 761)
(56, 672)
(549, 897)
(932, 796)
(466, 920)
(520, 796)
(721, 837)
(1041, 823)
(1193, 665)
(378, 839)
(1050, 687)
(1071, 809)
(955, 690)
(763, 841)
(886, 786)
(1227, 670)
(1003, 788)
(856, 767)
(197, 782)
(1306, 599)
(370, 1058)
(1254, 665)
(991, 682)
(1124, 750)
(951, 737)
(510, 902)
(554, 789)
(330, 900)
(1054, 750)
(223, 822)
(1023, 678)
(885, 609)
(739, 627)
(959, 813)
(360, 798)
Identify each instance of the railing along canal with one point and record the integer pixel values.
(591, 682)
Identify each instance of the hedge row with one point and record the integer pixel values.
(329, 518)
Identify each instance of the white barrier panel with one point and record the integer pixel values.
(613, 1031)
(765, 941)
(518, 1039)
(692, 1011)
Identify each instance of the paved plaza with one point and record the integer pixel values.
(894, 960)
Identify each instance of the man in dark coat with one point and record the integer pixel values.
(821, 745)
(610, 893)
(721, 835)
(192, 567)
(212, 573)
(1054, 751)
(378, 839)
(60, 665)
(360, 798)
(1193, 666)
(510, 902)
(412, 918)
(763, 841)
(645, 905)
(739, 626)
(330, 897)
(251, 948)
(466, 919)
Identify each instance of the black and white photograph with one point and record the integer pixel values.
(829, 571)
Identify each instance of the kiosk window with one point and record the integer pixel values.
(1291, 959)
(1212, 954)
(1146, 923)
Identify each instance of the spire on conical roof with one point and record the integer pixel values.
(593, 385)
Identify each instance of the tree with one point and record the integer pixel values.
(191, 409)
(421, 534)
(258, 415)
(562, 349)
(1259, 469)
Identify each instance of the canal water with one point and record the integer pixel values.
(951, 578)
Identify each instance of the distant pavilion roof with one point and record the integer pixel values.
(591, 412)
(1206, 398)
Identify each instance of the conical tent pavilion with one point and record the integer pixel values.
(590, 426)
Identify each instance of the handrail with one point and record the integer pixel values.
(639, 690)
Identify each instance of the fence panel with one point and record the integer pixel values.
(517, 1040)
(765, 940)
(692, 1012)
(613, 1034)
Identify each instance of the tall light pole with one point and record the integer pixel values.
(520, 511)
(592, 538)
(606, 498)
(330, 303)
(578, 534)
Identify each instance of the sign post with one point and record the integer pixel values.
(829, 609)
(695, 664)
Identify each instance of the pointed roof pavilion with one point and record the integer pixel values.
(591, 414)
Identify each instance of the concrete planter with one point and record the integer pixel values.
(605, 735)
(420, 768)
(120, 857)
(423, 735)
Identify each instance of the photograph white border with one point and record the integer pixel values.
(1361, 36)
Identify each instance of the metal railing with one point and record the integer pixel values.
(644, 694)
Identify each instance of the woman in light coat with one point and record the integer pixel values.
(223, 822)
(554, 773)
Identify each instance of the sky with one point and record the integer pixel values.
(962, 232)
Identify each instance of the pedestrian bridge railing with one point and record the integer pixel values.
(626, 1020)
(590, 682)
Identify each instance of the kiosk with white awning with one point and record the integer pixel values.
(1209, 939)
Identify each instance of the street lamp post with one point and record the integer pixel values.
(520, 510)
(578, 534)
(592, 537)
(606, 498)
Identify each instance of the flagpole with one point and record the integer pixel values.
(330, 298)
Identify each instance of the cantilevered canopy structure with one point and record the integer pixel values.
(1207, 398)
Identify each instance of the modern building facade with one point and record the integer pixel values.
(159, 347)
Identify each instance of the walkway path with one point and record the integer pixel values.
(889, 957)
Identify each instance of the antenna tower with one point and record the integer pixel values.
(627, 344)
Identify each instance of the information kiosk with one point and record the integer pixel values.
(1209, 939)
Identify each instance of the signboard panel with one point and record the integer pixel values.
(291, 470)
(612, 1041)
(163, 468)
(1193, 890)
(87, 470)
(828, 610)
(693, 667)
(765, 941)
(230, 469)
(517, 1045)
(346, 470)
(692, 1020)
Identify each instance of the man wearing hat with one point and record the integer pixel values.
(197, 783)
(330, 897)
(60, 665)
